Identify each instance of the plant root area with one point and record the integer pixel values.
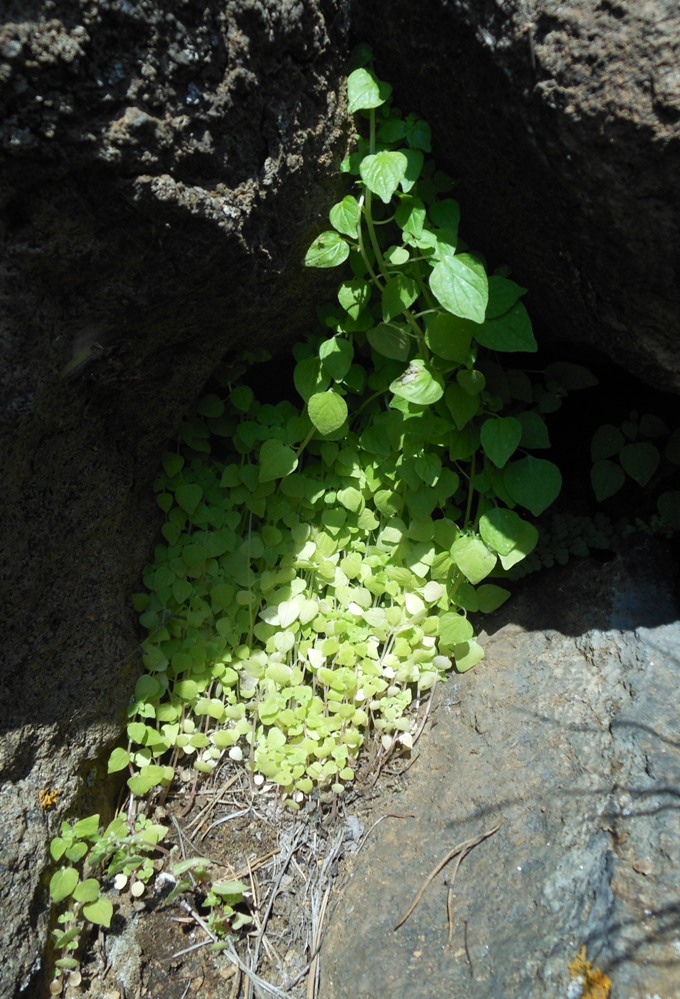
(291, 863)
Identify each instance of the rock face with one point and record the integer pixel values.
(567, 736)
(561, 122)
(163, 168)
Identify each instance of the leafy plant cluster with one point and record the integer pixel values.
(321, 558)
(82, 849)
(126, 854)
(642, 449)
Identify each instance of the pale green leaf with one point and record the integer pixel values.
(383, 172)
(329, 249)
(87, 891)
(501, 529)
(460, 284)
(473, 558)
(454, 629)
(468, 655)
(118, 760)
(336, 357)
(100, 912)
(365, 91)
(419, 384)
(62, 883)
(327, 411)
(353, 296)
(345, 216)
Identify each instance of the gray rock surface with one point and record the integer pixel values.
(567, 735)
(560, 120)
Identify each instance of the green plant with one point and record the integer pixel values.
(320, 560)
(219, 897)
(82, 849)
(642, 449)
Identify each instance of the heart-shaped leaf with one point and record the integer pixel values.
(460, 284)
(327, 411)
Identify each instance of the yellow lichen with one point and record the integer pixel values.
(48, 798)
(594, 983)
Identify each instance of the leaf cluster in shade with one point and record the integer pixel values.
(643, 449)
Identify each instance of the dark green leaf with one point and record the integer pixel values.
(668, 505)
(510, 332)
(392, 130)
(534, 483)
(398, 294)
(500, 439)
(640, 460)
(672, 449)
(606, 478)
(463, 407)
(448, 336)
(503, 294)
(653, 426)
(276, 460)
(188, 496)
(418, 134)
(389, 341)
(607, 441)
(568, 376)
(534, 431)
(471, 381)
(446, 214)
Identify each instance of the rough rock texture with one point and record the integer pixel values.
(568, 736)
(163, 166)
(561, 122)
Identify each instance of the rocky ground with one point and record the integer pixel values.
(539, 815)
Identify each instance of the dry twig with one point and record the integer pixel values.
(462, 849)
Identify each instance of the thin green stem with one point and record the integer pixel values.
(471, 492)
